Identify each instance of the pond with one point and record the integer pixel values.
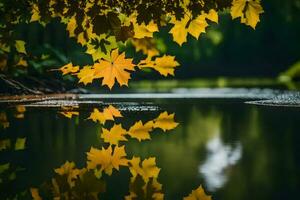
(150, 148)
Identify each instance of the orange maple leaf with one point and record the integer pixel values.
(114, 69)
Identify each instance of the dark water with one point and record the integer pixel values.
(233, 150)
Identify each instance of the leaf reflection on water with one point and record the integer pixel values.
(70, 182)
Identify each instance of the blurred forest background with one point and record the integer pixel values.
(228, 49)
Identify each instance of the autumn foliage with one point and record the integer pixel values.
(104, 27)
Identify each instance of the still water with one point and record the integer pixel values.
(158, 149)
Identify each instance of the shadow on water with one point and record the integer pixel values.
(160, 150)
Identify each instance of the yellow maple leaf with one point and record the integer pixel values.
(108, 113)
(97, 53)
(112, 111)
(20, 46)
(212, 15)
(194, 27)
(165, 121)
(114, 135)
(143, 30)
(141, 131)
(69, 69)
(71, 26)
(146, 45)
(86, 75)
(247, 10)
(147, 169)
(107, 159)
(114, 69)
(164, 65)
(69, 169)
(198, 26)
(198, 194)
(179, 31)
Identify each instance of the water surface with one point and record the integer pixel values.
(232, 149)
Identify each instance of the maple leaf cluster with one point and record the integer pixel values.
(103, 26)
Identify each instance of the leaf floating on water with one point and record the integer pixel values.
(198, 194)
(141, 131)
(107, 159)
(165, 121)
(114, 135)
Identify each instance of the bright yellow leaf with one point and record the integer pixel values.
(197, 26)
(247, 10)
(179, 30)
(69, 69)
(147, 169)
(141, 131)
(164, 65)
(106, 159)
(212, 15)
(165, 121)
(108, 113)
(198, 194)
(143, 31)
(114, 135)
(86, 75)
